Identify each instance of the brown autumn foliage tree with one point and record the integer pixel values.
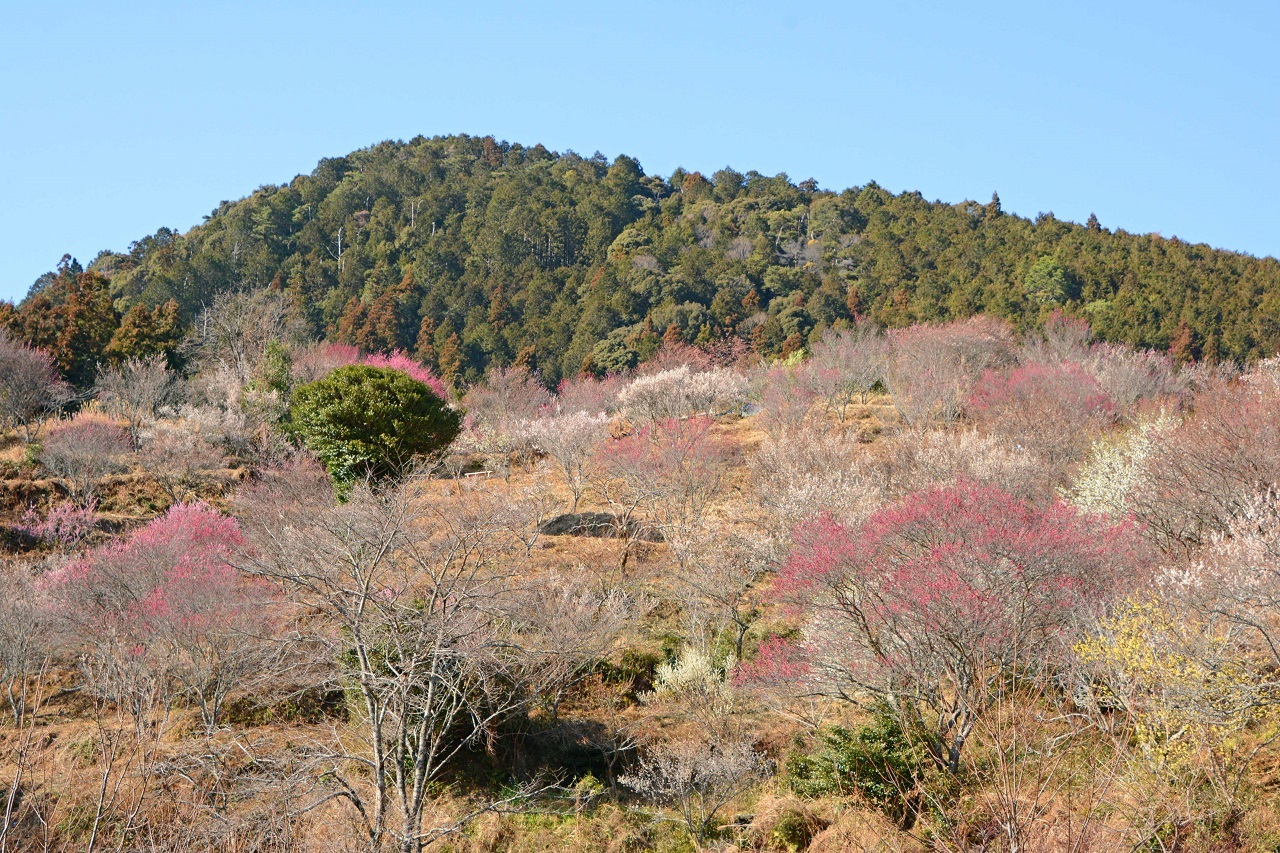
(73, 318)
(146, 332)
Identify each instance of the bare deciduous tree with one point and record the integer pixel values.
(162, 612)
(82, 451)
(234, 332)
(568, 440)
(588, 394)
(928, 603)
(931, 368)
(1132, 376)
(417, 598)
(135, 390)
(176, 455)
(566, 622)
(671, 471)
(1198, 476)
(806, 471)
(509, 397)
(715, 586)
(848, 363)
(529, 507)
(786, 395)
(30, 387)
(24, 639)
(1062, 340)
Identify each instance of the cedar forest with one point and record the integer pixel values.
(473, 497)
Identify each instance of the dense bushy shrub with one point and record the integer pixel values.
(371, 421)
(878, 761)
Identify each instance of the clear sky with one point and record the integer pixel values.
(118, 118)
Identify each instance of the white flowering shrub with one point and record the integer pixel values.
(695, 688)
(680, 392)
(568, 441)
(803, 472)
(716, 392)
(942, 457)
(692, 673)
(1113, 469)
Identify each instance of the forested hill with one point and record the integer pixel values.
(472, 252)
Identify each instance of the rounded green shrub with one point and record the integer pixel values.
(371, 422)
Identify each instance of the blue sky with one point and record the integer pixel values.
(116, 119)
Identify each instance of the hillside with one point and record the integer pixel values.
(611, 517)
(946, 587)
(472, 253)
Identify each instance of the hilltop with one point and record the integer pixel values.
(473, 253)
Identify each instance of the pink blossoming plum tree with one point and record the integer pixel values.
(1053, 410)
(934, 603)
(164, 607)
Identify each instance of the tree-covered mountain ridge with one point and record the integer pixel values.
(472, 253)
